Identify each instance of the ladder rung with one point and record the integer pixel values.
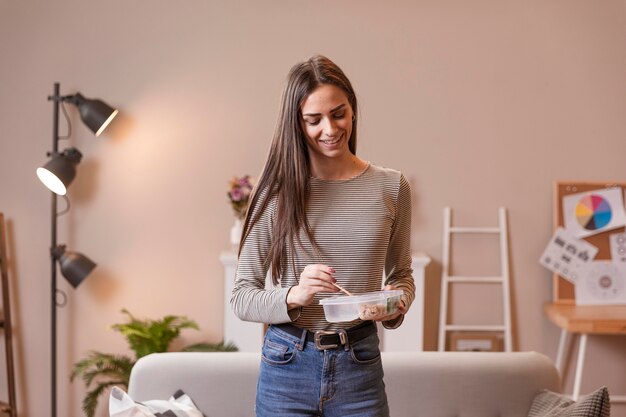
(4, 407)
(476, 328)
(475, 279)
(475, 230)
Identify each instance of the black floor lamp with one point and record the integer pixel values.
(57, 174)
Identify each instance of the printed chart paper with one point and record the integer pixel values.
(618, 247)
(602, 282)
(566, 255)
(592, 212)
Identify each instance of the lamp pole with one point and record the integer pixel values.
(57, 174)
(53, 266)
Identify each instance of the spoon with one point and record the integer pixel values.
(342, 289)
(350, 294)
(393, 268)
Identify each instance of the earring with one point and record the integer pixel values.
(353, 117)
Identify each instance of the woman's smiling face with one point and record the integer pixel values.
(327, 122)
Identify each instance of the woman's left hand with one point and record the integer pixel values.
(401, 307)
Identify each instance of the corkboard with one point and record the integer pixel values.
(562, 289)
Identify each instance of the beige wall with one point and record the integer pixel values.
(481, 104)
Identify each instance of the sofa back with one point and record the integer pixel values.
(419, 384)
(466, 384)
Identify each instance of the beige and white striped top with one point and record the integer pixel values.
(362, 226)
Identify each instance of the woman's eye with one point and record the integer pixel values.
(339, 115)
(312, 122)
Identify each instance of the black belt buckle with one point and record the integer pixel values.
(343, 339)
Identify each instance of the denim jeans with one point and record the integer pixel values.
(297, 379)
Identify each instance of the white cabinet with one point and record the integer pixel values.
(248, 336)
(410, 335)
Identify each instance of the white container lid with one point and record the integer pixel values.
(361, 298)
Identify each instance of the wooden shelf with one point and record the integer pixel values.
(4, 407)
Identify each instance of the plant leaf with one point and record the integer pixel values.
(90, 402)
(99, 364)
(152, 336)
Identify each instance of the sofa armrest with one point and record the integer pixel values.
(219, 383)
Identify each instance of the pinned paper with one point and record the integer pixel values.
(618, 247)
(602, 282)
(566, 255)
(592, 212)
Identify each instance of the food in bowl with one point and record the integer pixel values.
(372, 311)
(366, 306)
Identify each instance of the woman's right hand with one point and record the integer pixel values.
(313, 279)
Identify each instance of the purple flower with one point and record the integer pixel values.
(244, 182)
(239, 191)
(236, 194)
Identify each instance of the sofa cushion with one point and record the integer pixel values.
(179, 405)
(551, 404)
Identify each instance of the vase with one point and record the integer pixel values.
(235, 234)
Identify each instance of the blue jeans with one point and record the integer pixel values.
(297, 379)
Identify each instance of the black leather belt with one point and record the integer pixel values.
(327, 339)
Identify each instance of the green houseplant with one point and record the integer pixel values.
(100, 371)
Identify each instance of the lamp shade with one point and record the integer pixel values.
(74, 265)
(58, 173)
(94, 113)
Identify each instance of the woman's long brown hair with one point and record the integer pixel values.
(287, 169)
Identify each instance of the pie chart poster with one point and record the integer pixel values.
(593, 212)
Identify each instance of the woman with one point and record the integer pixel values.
(319, 215)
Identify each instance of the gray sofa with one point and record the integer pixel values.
(419, 384)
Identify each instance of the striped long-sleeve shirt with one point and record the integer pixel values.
(362, 226)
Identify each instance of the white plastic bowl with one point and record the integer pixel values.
(366, 306)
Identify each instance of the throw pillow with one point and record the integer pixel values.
(551, 404)
(179, 405)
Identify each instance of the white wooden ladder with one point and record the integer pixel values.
(503, 280)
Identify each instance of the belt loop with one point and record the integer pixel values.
(302, 340)
(343, 338)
